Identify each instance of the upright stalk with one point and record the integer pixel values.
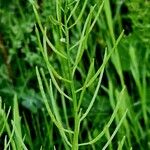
(75, 109)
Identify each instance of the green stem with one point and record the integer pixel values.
(76, 131)
(76, 115)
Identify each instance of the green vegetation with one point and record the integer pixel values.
(74, 74)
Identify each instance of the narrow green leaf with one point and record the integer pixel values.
(44, 34)
(57, 86)
(19, 139)
(120, 147)
(86, 81)
(94, 96)
(59, 126)
(106, 59)
(116, 130)
(109, 123)
(80, 15)
(17, 124)
(81, 47)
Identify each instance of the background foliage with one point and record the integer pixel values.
(20, 53)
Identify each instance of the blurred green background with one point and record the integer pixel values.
(20, 54)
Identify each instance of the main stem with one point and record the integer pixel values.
(76, 131)
(76, 115)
